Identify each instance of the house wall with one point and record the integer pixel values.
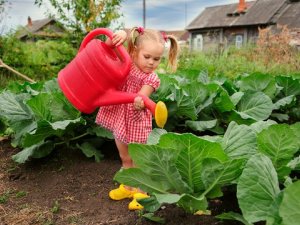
(217, 39)
(232, 36)
(205, 40)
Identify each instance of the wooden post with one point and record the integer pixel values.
(2, 64)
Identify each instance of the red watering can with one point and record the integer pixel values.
(91, 79)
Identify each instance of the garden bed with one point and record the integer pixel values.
(68, 188)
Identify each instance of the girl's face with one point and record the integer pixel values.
(148, 55)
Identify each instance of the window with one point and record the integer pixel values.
(238, 41)
(198, 42)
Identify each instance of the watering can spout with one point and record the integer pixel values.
(158, 110)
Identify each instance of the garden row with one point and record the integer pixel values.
(220, 132)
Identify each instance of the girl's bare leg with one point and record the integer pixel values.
(124, 155)
(119, 194)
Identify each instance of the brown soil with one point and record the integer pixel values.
(68, 188)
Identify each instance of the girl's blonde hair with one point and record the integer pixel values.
(138, 35)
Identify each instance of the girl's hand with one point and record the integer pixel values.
(138, 103)
(119, 37)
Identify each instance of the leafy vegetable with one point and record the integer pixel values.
(42, 118)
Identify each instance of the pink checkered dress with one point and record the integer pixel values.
(128, 124)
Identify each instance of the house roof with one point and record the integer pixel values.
(260, 12)
(36, 28)
(291, 16)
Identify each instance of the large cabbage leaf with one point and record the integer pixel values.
(279, 143)
(258, 189)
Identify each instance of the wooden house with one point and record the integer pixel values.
(47, 28)
(237, 24)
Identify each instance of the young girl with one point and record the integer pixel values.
(132, 123)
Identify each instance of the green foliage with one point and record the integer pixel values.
(188, 170)
(249, 146)
(56, 207)
(41, 118)
(196, 102)
(181, 168)
(288, 208)
(39, 60)
(4, 197)
(233, 62)
(202, 103)
(279, 143)
(82, 16)
(2, 3)
(21, 194)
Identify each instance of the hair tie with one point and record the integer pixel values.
(140, 30)
(165, 36)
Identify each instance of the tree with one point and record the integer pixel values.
(2, 9)
(2, 6)
(2, 14)
(85, 15)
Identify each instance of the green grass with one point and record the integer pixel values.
(249, 60)
(229, 63)
(234, 62)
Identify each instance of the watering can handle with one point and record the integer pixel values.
(104, 31)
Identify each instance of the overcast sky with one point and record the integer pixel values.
(160, 14)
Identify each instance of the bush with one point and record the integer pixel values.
(39, 60)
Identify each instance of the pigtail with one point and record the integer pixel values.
(131, 40)
(173, 52)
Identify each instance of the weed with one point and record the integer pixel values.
(4, 197)
(73, 219)
(21, 194)
(56, 207)
(13, 167)
(61, 168)
(273, 48)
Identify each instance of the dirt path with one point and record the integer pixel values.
(68, 188)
